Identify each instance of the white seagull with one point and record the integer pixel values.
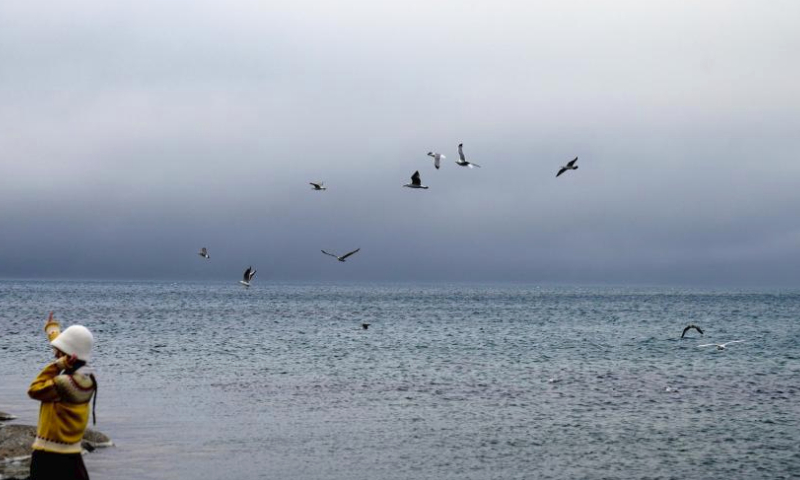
(204, 253)
(720, 346)
(415, 181)
(463, 160)
(318, 186)
(570, 166)
(248, 275)
(437, 157)
(343, 257)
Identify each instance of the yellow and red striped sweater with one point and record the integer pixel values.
(64, 413)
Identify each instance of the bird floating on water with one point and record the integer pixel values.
(462, 161)
(317, 186)
(204, 253)
(688, 327)
(343, 257)
(720, 346)
(248, 276)
(415, 182)
(437, 157)
(570, 166)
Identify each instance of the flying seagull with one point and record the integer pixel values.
(463, 160)
(318, 186)
(415, 182)
(688, 327)
(720, 346)
(343, 257)
(248, 275)
(436, 158)
(570, 166)
(204, 253)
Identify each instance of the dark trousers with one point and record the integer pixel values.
(57, 466)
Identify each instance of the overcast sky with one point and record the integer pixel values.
(134, 133)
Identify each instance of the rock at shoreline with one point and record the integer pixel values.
(4, 417)
(15, 448)
(93, 439)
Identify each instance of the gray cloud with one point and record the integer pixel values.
(134, 133)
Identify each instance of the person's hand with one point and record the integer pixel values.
(51, 327)
(66, 362)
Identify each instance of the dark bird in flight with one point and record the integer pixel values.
(318, 186)
(570, 166)
(415, 181)
(204, 253)
(689, 327)
(343, 257)
(248, 275)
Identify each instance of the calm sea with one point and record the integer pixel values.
(279, 381)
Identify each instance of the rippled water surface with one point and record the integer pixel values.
(209, 380)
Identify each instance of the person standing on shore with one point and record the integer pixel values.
(65, 388)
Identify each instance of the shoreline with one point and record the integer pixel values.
(15, 447)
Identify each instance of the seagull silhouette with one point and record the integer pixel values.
(343, 257)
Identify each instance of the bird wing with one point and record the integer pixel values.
(315, 185)
(436, 159)
(332, 255)
(561, 171)
(415, 179)
(474, 165)
(572, 162)
(247, 274)
(698, 329)
(252, 274)
(348, 254)
(734, 341)
(685, 330)
(707, 345)
(461, 152)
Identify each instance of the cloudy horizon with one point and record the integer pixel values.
(133, 134)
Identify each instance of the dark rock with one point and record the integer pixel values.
(93, 439)
(15, 448)
(4, 417)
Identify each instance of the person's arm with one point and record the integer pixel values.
(52, 328)
(43, 387)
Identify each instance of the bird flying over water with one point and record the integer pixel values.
(343, 257)
(318, 186)
(688, 327)
(436, 158)
(462, 161)
(570, 166)
(720, 346)
(204, 253)
(415, 182)
(248, 275)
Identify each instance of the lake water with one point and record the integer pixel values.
(279, 381)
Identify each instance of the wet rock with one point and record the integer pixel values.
(92, 439)
(15, 448)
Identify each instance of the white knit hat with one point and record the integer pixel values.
(76, 340)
